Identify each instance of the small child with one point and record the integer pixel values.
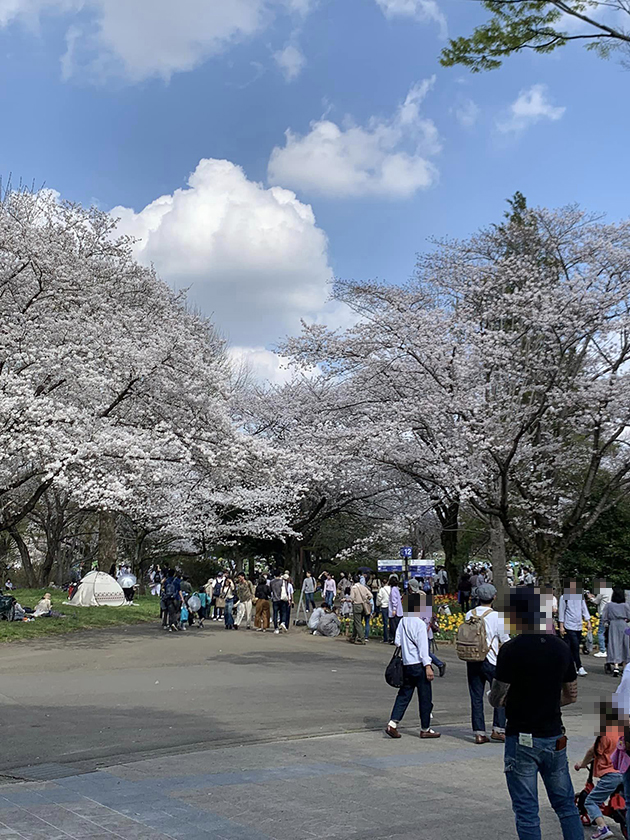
(202, 612)
(609, 779)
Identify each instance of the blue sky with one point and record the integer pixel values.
(118, 101)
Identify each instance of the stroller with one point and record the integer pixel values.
(614, 808)
(7, 607)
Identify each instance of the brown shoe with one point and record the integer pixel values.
(393, 732)
(498, 736)
(482, 739)
(430, 733)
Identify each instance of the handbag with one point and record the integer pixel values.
(394, 674)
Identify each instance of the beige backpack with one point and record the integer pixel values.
(472, 644)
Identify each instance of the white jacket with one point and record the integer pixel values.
(382, 598)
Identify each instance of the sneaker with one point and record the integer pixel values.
(602, 833)
(276, 632)
(600, 654)
(582, 672)
(283, 627)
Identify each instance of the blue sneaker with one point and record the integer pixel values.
(602, 833)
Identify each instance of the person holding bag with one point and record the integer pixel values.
(361, 600)
(417, 673)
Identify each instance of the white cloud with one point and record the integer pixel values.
(466, 111)
(386, 157)
(530, 106)
(254, 258)
(140, 39)
(419, 10)
(291, 61)
(261, 364)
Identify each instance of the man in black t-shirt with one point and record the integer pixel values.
(535, 676)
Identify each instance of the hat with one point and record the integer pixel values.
(486, 592)
(414, 585)
(285, 576)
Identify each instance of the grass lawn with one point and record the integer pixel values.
(77, 618)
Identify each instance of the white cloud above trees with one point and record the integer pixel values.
(386, 157)
(423, 11)
(530, 107)
(140, 39)
(254, 259)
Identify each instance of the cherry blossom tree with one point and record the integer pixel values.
(499, 375)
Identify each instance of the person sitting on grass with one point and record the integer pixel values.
(44, 606)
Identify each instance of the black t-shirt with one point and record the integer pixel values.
(535, 666)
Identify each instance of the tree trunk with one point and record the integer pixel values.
(25, 557)
(449, 521)
(107, 542)
(498, 557)
(251, 567)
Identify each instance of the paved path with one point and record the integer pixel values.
(240, 736)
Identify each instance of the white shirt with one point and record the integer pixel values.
(411, 637)
(621, 697)
(382, 599)
(602, 598)
(495, 630)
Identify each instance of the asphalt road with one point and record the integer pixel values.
(128, 694)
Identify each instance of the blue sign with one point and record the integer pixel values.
(424, 570)
(389, 566)
(406, 552)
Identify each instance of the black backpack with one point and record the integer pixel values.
(168, 590)
(216, 589)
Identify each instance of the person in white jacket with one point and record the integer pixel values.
(382, 603)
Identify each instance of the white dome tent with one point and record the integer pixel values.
(98, 589)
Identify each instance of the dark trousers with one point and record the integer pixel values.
(464, 601)
(277, 609)
(170, 612)
(414, 677)
(574, 638)
(480, 673)
(285, 613)
(394, 621)
(385, 617)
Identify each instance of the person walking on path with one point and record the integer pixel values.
(600, 754)
(442, 581)
(535, 676)
(480, 673)
(245, 593)
(360, 598)
(603, 596)
(616, 616)
(571, 610)
(395, 608)
(227, 599)
(308, 590)
(382, 602)
(411, 637)
(329, 590)
(464, 588)
(276, 601)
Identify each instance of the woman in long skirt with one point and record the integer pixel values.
(617, 615)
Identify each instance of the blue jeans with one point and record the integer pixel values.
(522, 766)
(329, 597)
(229, 617)
(366, 621)
(480, 673)
(601, 635)
(414, 677)
(604, 788)
(385, 614)
(309, 601)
